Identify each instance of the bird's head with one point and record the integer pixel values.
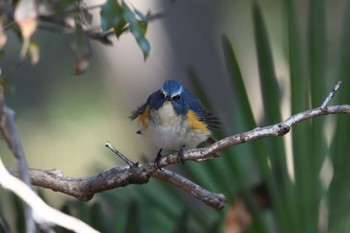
(171, 90)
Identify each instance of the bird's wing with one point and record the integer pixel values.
(205, 115)
(209, 118)
(154, 98)
(138, 111)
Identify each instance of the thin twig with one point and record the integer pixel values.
(125, 159)
(330, 96)
(9, 25)
(87, 8)
(92, 32)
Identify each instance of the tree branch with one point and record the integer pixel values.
(85, 188)
(43, 212)
(135, 173)
(215, 200)
(278, 129)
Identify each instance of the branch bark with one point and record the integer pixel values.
(85, 188)
(43, 212)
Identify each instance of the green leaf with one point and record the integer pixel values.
(339, 189)
(308, 181)
(120, 28)
(238, 84)
(244, 115)
(143, 17)
(269, 86)
(19, 213)
(182, 223)
(211, 171)
(282, 192)
(96, 217)
(133, 225)
(121, 18)
(142, 27)
(4, 225)
(137, 29)
(111, 15)
(299, 102)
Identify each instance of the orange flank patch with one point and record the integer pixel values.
(195, 123)
(143, 118)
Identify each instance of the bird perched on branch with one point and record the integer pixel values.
(173, 119)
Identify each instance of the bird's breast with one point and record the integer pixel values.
(165, 114)
(168, 130)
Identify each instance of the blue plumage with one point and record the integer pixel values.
(181, 99)
(171, 88)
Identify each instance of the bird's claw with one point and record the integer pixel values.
(157, 160)
(180, 155)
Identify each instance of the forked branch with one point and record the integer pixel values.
(134, 173)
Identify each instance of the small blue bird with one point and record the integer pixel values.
(173, 119)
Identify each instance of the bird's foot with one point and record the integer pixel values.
(157, 160)
(180, 155)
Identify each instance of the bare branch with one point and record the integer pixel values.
(58, 24)
(85, 188)
(278, 129)
(215, 200)
(43, 212)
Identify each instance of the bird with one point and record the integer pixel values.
(174, 119)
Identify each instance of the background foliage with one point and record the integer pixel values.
(305, 173)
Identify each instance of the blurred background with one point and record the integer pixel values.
(65, 119)
(72, 116)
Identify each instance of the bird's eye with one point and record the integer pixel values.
(176, 97)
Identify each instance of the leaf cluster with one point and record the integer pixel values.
(25, 17)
